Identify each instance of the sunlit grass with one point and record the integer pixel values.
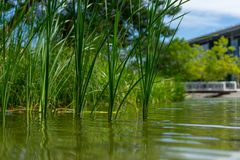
(149, 57)
(82, 70)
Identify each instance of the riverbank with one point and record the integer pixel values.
(213, 95)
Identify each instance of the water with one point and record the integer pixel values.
(192, 130)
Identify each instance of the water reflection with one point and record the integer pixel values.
(45, 154)
(2, 138)
(184, 131)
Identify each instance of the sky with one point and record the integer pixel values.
(207, 16)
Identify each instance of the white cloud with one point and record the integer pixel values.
(217, 7)
(207, 16)
(201, 20)
(210, 13)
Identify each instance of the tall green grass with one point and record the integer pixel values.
(50, 7)
(54, 75)
(3, 55)
(149, 57)
(79, 51)
(85, 54)
(11, 54)
(84, 67)
(112, 62)
(117, 66)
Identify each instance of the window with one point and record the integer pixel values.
(205, 46)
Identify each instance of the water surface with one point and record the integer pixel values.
(192, 130)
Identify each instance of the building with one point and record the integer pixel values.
(232, 33)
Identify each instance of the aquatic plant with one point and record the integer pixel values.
(152, 44)
(42, 67)
(50, 8)
(86, 53)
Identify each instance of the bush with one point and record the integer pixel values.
(168, 90)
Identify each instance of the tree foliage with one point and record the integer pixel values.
(97, 10)
(195, 63)
(220, 61)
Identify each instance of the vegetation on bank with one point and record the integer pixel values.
(100, 56)
(192, 63)
(86, 55)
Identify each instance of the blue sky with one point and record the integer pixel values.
(207, 16)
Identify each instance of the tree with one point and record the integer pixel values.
(175, 60)
(195, 63)
(97, 10)
(220, 61)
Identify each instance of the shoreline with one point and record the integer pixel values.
(212, 95)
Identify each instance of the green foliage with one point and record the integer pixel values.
(220, 62)
(175, 57)
(167, 90)
(195, 63)
(149, 48)
(85, 69)
(96, 12)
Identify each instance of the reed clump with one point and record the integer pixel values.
(63, 54)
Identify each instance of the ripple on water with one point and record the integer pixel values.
(191, 130)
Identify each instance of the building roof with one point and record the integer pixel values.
(233, 32)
